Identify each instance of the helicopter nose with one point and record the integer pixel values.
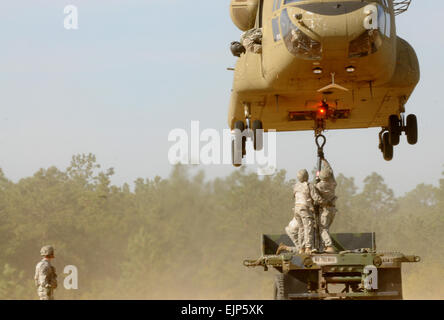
(327, 29)
(332, 8)
(334, 36)
(338, 23)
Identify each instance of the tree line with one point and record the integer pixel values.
(185, 237)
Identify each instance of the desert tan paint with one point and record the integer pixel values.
(277, 82)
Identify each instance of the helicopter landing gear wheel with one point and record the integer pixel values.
(394, 129)
(235, 159)
(389, 136)
(258, 135)
(238, 144)
(387, 147)
(411, 129)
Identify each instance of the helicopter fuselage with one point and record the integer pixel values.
(341, 54)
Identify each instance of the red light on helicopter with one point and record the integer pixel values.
(322, 111)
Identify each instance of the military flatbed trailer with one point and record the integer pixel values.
(357, 271)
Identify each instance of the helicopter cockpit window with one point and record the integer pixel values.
(384, 21)
(381, 19)
(277, 5)
(275, 27)
(297, 42)
(291, 1)
(371, 40)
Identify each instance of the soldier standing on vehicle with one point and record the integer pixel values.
(303, 207)
(45, 275)
(325, 197)
(300, 230)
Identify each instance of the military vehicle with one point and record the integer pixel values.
(323, 65)
(357, 271)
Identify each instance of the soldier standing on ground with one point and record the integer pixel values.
(45, 275)
(325, 197)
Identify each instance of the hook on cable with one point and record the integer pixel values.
(320, 140)
(320, 145)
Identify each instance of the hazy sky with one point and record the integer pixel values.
(137, 69)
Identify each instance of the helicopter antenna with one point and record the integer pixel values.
(401, 6)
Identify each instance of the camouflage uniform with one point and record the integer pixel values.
(325, 197)
(295, 231)
(252, 40)
(45, 277)
(304, 209)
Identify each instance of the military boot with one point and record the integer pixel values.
(330, 250)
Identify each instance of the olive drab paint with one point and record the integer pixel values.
(356, 271)
(307, 43)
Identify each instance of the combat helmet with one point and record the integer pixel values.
(47, 251)
(302, 175)
(237, 48)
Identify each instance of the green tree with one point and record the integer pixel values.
(186, 236)
(376, 198)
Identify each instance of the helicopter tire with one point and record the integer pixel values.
(387, 148)
(394, 130)
(235, 152)
(258, 137)
(236, 162)
(412, 129)
(239, 125)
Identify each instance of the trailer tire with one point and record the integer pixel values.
(286, 284)
(390, 279)
(281, 287)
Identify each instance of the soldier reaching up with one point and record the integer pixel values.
(325, 197)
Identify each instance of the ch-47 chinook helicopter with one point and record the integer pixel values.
(324, 64)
